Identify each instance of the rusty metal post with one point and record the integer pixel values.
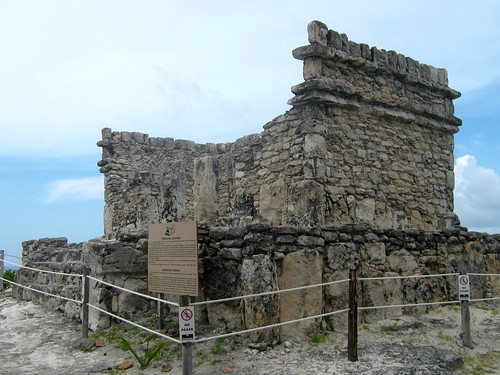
(352, 333)
(161, 312)
(85, 302)
(187, 347)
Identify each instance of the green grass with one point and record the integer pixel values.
(444, 337)
(319, 339)
(454, 308)
(481, 364)
(219, 347)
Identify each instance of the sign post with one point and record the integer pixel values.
(186, 333)
(464, 288)
(173, 269)
(464, 297)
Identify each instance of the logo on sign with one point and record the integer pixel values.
(169, 231)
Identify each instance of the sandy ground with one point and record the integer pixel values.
(37, 340)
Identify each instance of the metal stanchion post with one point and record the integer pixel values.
(352, 334)
(1, 268)
(85, 302)
(161, 312)
(187, 347)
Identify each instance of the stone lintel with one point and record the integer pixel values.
(328, 91)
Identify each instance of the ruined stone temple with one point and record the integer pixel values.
(358, 173)
(369, 139)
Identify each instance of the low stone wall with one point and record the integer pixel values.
(261, 257)
(56, 255)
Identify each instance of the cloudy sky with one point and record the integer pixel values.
(209, 72)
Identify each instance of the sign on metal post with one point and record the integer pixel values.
(173, 258)
(186, 323)
(463, 288)
(464, 297)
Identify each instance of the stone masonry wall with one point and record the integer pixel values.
(369, 139)
(261, 257)
(56, 255)
(385, 124)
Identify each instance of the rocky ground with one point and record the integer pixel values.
(37, 340)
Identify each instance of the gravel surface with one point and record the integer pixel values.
(37, 340)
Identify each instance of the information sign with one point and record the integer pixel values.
(186, 323)
(173, 258)
(463, 288)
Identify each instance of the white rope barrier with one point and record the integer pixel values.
(484, 299)
(406, 277)
(45, 271)
(266, 293)
(41, 291)
(269, 326)
(135, 324)
(483, 274)
(12, 256)
(136, 293)
(407, 305)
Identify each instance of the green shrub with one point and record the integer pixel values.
(9, 275)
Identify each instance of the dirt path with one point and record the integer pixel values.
(37, 340)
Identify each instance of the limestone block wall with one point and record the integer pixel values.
(56, 255)
(369, 139)
(148, 179)
(262, 257)
(384, 133)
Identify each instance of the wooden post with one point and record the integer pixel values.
(465, 319)
(187, 347)
(465, 316)
(352, 333)
(2, 268)
(85, 302)
(161, 312)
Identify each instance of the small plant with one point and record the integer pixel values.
(202, 357)
(9, 275)
(366, 327)
(149, 354)
(319, 339)
(218, 347)
(386, 329)
(444, 337)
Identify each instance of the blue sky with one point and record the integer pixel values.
(208, 72)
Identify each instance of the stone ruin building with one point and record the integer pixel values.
(358, 173)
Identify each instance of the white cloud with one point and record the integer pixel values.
(72, 68)
(477, 195)
(75, 189)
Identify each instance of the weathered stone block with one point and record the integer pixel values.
(303, 267)
(343, 256)
(258, 275)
